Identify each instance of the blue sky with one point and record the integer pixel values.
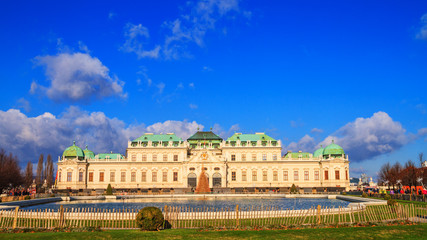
(103, 72)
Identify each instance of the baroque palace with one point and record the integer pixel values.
(242, 163)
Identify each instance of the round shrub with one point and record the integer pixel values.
(365, 195)
(387, 197)
(149, 219)
(391, 202)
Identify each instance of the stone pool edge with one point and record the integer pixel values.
(354, 201)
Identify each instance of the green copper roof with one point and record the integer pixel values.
(88, 153)
(158, 137)
(250, 137)
(298, 154)
(204, 136)
(333, 149)
(318, 152)
(109, 155)
(73, 151)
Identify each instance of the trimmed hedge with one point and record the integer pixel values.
(150, 219)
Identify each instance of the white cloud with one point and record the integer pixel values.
(112, 15)
(217, 129)
(207, 69)
(83, 47)
(296, 124)
(316, 130)
(136, 37)
(193, 106)
(161, 86)
(192, 27)
(365, 138)
(422, 34)
(305, 144)
(77, 77)
(27, 137)
(191, 85)
(23, 104)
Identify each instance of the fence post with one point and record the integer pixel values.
(237, 215)
(318, 214)
(15, 218)
(61, 216)
(166, 216)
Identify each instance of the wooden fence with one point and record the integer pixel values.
(187, 217)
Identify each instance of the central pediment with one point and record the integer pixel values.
(205, 156)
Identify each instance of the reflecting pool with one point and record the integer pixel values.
(210, 202)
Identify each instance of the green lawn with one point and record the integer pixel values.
(383, 232)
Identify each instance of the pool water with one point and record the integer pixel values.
(209, 202)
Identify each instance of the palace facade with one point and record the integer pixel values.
(241, 163)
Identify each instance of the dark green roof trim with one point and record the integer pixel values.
(204, 136)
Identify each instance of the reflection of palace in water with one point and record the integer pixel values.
(243, 162)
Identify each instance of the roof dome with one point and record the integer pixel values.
(73, 151)
(88, 153)
(333, 149)
(318, 152)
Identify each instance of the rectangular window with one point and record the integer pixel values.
(254, 176)
(59, 176)
(69, 176)
(175, 158)
(253, 157)
(123, 177)
(144, 157)
(316, 175)
(296, 177)
(326, 175)
(264, 176)
(285, 175)
(80, 176)
(165, 177)
(101, 176)
(264, 157)
(133, 158)
(112, 176)
(306, 176)
(133, 176)
(233, 176)
(337, 174)
(154, 157)
(233, 157)
(275, 178)
(91, 177)
(244, 176)
(143, 177)
(243, 157)
(274, 157)
(165, 157)
(175, 176)
(154, 177)
(346, 175)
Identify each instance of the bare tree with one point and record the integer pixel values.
(39, 173)
(395, 174)
(49, 171)
(384, 175)
(28, 179)
(10, 172)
